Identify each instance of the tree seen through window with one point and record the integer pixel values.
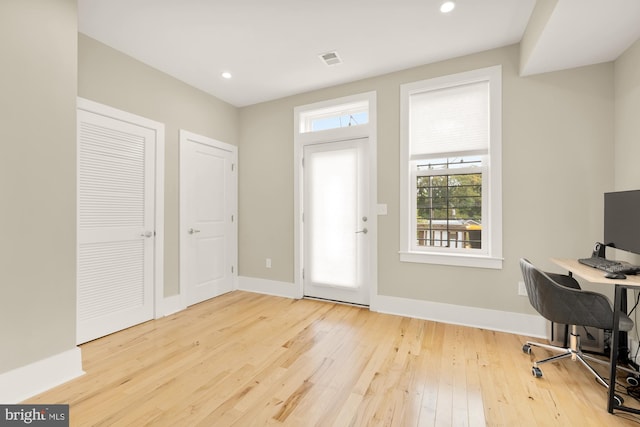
(449, 210)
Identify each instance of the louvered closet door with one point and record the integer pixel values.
(115, 225)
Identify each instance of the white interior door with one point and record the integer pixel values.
(336, 247)
(116, 224)
(208, 187)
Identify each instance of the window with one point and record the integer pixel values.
(334, 117)
(449, 203)
(451, 170)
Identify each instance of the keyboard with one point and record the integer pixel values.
(610, 266)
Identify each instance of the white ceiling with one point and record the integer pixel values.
(271, 46)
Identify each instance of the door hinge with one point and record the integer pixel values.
(233, 167)
(232, 218)
(232, 269)
(303, 273)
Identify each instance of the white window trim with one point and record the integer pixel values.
(491, 257)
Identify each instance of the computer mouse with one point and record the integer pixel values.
(615, 276)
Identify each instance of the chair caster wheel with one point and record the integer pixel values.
(526, 349)
(618, 399)
(632, 380)
(536, 372)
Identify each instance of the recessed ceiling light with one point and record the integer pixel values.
(226, 75)
(447, 7)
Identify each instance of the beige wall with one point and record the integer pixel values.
(627, 119)
(627, 126)
(557, 162)
(112, 78)
(37, 180)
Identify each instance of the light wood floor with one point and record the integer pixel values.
(245, 359)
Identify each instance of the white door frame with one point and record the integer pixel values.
(186, 137)
(301, 139)
(158, 128)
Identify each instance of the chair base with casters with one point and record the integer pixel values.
(574, 352)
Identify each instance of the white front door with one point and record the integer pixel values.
(116, 221)
(208, 199)
(336, 221)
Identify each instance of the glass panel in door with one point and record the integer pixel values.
(335, 221)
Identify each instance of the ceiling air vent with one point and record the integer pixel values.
(331, 58)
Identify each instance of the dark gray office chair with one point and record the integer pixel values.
(558, 298)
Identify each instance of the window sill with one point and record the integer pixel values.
(461, 260)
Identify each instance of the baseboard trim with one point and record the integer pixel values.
(171, 305)
(495, 320)
(22, 383)
(269, 287)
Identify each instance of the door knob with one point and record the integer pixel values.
(146, 234)
(363, 231)
(193, 231)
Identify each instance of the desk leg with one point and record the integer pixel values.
(615, 342)
(623, 344)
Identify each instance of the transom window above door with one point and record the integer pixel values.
(335, 117)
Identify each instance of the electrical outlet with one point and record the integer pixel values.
(522, 290)
(268, 263)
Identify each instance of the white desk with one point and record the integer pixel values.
(594, 275)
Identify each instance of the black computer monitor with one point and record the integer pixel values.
(622, 220)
